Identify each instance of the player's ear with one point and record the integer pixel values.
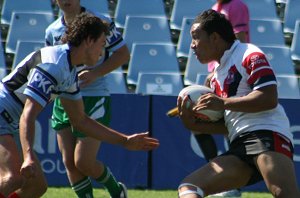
(214, 36)
(88, 41)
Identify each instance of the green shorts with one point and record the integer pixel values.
(97, 107)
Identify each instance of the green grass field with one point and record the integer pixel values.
(100, 193)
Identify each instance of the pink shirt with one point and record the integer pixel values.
(237, 13)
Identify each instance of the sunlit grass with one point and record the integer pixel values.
(132, 193)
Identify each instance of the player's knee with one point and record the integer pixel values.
(13, 180)
(278, 192)
(42, 188)
(84, 166)
(34, 187)
(69, 163)
(188, 189)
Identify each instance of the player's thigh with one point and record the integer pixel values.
(66, 143)
(222, 173)
(86, 145)
(10, 160)
(278, 171)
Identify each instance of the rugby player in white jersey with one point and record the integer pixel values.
(40, 77)
(245, 87)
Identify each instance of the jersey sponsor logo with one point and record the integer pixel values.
(258, 61)
(41, 83)
(114, 35)
(254, 61)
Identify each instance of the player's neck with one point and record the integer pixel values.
(70, 16)
(224, 46)
(76, 56)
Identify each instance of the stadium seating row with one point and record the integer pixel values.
(153, 52)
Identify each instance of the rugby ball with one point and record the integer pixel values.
(194, 92)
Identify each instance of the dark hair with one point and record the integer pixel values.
(84, 26)
(213, 21)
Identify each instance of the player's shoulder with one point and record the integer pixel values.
(244, 53)
(254, 57)
(251, 49)
(55, 25)
(57, 54)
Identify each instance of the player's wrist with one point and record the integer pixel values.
(124, 141)
(226, 103)
(28, 154)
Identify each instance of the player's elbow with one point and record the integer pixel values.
(273, 103)
(270, 103)
(268, 98)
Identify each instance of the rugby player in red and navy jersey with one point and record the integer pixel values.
(261, 144)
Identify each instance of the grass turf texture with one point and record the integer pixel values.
(132, 193)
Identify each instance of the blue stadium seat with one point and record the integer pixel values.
(193, 67)
(146, 30)
(291, 14)
(280, 59)
(137, 8)
(266, 32)
(200, 79)
(295, 47)
(288, 86)
(262, 9)
(159, 84)
(153, 58)
(24, 48)
(185, 39)
(3, 72)
(100, 6)
(116, 83)
(10, 6)
(187, 8)
(27, 26)
(2, 57)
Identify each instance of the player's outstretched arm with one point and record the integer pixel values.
(27, 131)
(141, 141)
(90, 127)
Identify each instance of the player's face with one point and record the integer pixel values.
(95, 50)
(201, 44)
(68, 6)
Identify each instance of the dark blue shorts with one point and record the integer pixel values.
(249, 145)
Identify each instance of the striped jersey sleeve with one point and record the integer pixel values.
(259, 70)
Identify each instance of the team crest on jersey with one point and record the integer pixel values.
(231, 75)
(41, 83)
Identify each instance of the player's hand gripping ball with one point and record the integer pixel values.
(194, 92)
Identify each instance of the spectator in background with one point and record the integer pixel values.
(237, 13)
(73, 144)
(245, 87)
(40, 77)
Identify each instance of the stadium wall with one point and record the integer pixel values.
(163, 168)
